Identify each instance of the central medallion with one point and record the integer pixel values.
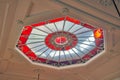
(61, 40)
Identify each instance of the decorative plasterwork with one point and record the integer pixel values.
(105, 2)
(83, 7)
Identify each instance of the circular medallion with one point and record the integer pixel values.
(61, 40)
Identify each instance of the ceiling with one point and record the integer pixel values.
(100, 13)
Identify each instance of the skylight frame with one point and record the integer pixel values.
(76, 22)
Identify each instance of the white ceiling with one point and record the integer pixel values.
(100, 13)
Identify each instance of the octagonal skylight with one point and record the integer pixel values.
(61, 41)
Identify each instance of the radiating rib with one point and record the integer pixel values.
(35, 38)
(31, 35)
(65, 56)
(70, 55)
(85, 48)
(85, 36)
(57, 30)
(40, 49)
(83, 32)
(49, 54)
(41, 30)
(71, 27)
(48, 28)
(86, 41)
(53, 55)
(43, 52)
(80, 50)
(86, 44)
(59, 57)
(76, 53)
(34, 42)
(63, 24)
(36, 46)
(56, 27)
(37, 34)
(77, 30)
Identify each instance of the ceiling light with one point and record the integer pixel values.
(61, 41)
